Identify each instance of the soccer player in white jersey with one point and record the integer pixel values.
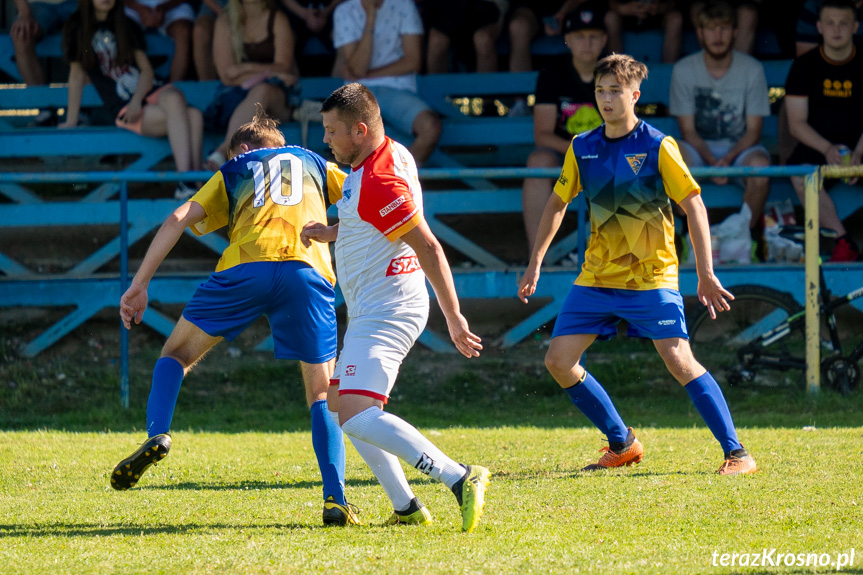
(384, 253)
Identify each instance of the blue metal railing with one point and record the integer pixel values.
(812, 174)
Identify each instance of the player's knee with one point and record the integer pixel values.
(558, 364)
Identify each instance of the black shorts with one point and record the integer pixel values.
(459, 18)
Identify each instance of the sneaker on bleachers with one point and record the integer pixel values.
(45, 118)
(184, 191)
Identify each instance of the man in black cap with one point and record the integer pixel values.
(565, 106)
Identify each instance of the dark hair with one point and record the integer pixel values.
(625, 69)
(841, 4)
(262, 132)
(83, 25)
(355, 103)
(716, 11)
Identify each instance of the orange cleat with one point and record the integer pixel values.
(628, 456)
(738, 465)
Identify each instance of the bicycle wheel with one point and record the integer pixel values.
(727, 345)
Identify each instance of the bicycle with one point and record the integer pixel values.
(766, 330)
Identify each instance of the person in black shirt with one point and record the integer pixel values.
(565, 107)
(824, 101)
(104, 45)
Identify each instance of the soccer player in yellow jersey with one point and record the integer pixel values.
(265, 195)
(630, 171)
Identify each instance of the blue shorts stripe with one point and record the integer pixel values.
(652, 314)
(298, 302)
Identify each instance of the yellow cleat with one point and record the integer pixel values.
(340, 515)
(415, 514)
(472, 498)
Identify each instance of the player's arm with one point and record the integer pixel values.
(710, 290)
(567, 186)
(318, 232)
(431, 257)
(552, 216)
(134, 301)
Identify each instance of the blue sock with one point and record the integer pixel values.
(590, 397)
(710, 403)
(167, 378)
(329, 444)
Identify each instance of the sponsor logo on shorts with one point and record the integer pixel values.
(392, 205)
(405, 265)
(425, 464)
(667, 321)
(350, 370)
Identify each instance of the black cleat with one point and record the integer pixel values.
(127, 473)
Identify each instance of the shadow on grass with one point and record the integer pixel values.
(85, 530)
(246, 485)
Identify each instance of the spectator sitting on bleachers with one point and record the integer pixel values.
(525, 20)
(478, 23)
(825, 109)
(379, 44)
(202, 38)
(747, 21)
(565, 107)
(311, 19)
(253, 49)
(171, 18)
(106, 47)
(639, 15)
(719, 96)
(36, 19)
(808, 36)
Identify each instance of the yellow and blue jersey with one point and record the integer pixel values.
(628, 182)
(265, 197)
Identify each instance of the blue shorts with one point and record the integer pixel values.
(652, 314)
(298, 302)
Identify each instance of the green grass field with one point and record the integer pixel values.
(240, 491)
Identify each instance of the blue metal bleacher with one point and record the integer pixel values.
(90, 290)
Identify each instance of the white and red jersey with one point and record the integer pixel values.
(381, 201)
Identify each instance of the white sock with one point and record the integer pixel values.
(396, 436)
(386, 468)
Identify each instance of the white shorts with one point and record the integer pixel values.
(373, 350)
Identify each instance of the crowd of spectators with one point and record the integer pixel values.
(256, 49)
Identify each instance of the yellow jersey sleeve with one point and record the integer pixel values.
(335, 180)
(679, 183)
(213, 197)
(568, 184)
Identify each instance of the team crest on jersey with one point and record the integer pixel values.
(405, 265)
(350, 370)
(635, 162)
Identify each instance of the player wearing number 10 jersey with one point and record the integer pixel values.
(265, 195)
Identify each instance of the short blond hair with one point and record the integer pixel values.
(262, 132)
(625, 69)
